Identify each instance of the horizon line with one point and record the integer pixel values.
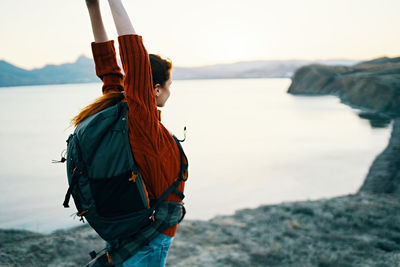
(211, 64)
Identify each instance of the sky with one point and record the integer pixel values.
(195, 33)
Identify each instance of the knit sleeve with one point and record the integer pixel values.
(106, 65)
(139, 90)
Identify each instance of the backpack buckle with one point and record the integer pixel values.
(152, 215)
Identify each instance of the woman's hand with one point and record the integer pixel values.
(91, 2)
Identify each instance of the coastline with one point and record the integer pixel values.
(361, 229)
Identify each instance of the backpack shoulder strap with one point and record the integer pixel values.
(183, 175)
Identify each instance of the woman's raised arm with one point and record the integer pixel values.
(143, 117)
(99, 32)
(121, 18)
(104, 55)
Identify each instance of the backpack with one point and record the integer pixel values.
(103, 177)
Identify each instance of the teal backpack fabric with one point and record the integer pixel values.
(104, 180)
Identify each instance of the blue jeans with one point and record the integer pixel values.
(152, 255)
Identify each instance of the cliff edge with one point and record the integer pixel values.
(384, 173)
(373, 85)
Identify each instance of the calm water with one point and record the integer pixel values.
(249, 143)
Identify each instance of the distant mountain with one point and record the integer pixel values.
(251, 69)
(82, 71)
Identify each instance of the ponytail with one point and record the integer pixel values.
(107, 100)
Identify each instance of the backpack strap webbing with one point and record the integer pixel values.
(76, 173)
(167, 214)
(74, 181)
(179, 193)
(172, 188)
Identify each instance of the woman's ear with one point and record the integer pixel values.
(157, 89)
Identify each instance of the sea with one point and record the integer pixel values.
(249, 143)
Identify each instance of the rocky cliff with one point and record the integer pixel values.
(374, 85)
(384, 174)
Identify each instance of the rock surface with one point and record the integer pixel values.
(384, 174)
(374, 85)
(354, 230)
(61, 248)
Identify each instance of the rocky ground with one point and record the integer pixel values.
(353, 230)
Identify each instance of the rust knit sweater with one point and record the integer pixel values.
(154, 149)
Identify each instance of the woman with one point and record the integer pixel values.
(145, 86)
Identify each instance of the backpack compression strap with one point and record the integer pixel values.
(166, 213)
(74, 181)
(76, 173)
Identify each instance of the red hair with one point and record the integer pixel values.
(160, 69)
(161, 72)
(107, 100)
